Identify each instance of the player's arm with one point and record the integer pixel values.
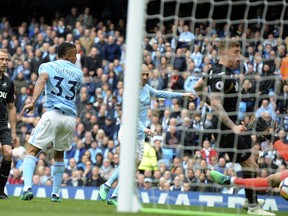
(39, 87)
(216, 104)
(198, 86)
(147, 131)
(199, 89)
(167, 94)
(12, 120)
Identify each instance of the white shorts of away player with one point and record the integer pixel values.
(56, 128)
(139, 147)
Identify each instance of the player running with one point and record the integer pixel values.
(146, 92)
(61, 79)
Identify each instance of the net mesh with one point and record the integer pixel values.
(178, 59)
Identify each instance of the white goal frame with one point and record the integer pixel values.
(127, 198)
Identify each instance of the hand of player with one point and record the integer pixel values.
(191, 96)
(27, 108)
(149, 132)
(237, 129)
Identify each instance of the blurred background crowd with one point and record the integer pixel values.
(182, 154)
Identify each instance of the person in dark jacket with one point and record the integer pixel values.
(111, 50)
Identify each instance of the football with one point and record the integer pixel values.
(283, 187)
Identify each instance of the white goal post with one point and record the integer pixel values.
(135, 29)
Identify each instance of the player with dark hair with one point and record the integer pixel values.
(7, 113)
(224, 101)
(61, 80)
(146, 92)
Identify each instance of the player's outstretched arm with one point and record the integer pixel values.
(39, 87)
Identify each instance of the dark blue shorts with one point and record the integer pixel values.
(5, 137)
(238, 147)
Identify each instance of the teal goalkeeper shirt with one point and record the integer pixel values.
(145, 100)
(62, 85)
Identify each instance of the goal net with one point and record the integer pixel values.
(179, 42)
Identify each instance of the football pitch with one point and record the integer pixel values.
(71, 207)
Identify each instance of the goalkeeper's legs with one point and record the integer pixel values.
(272, 180)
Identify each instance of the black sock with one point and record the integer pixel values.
(4, 173)
(250, 194)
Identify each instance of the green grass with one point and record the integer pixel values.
(71, 207)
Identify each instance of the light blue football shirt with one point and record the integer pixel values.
(65, 79)
(145, 100)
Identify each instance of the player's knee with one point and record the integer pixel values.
(7, 154)
(32, 150)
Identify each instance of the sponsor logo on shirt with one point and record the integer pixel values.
(3, 94)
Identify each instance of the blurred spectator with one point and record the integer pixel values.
(94, 151)
(106, 169)
(36, 61)
(179, 65)
(16, 177)
(71, 19)
(147, 183)
(51, 56)
(94, 60)
(140, 181)
(111, 50)
(156, 81)
(80, 150)
(192, 79)
(265, 108)
(177, 186)
(221, 165)
(86, 41)
(149, 160)
(172, 137)
(86, 18)
(207, 152)
(282, 100)
(75, 179)
(186, 38)
(95, 180)
(247, 96)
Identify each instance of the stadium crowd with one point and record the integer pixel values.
(181, 155)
